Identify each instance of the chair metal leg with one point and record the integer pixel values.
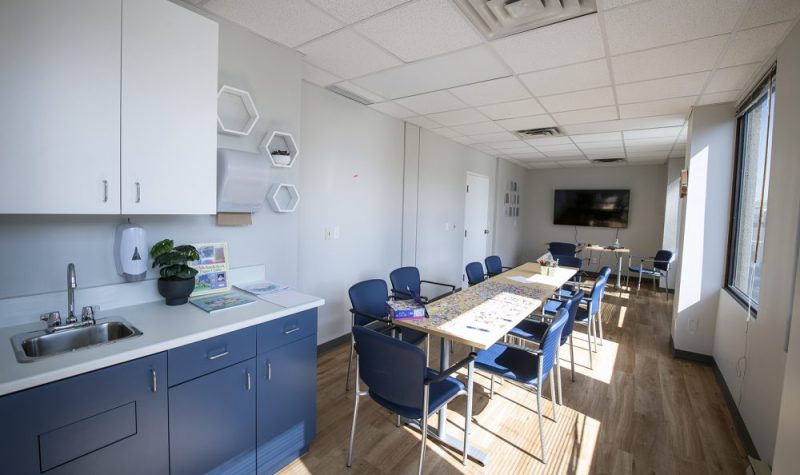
(553, 395)
(541, 424)
(424, 427)
(428, 350)
(355, 416)
(468, 412)
(491, 388)
(639, 285)
(572, 357)
(558, 376)
(349, 364)
(589, 340)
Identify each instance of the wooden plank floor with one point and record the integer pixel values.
(638, 411)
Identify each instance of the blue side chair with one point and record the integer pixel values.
(661, 263)
(533, 331)
(399, 380)
(475, 274)
(562, 249)
(407, 284)
(368, 299)
(494, 266)
(527, 368)
(589, 315)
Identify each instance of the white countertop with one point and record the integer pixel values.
(162, 327)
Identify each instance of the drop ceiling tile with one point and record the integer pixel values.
(589, 75)
(544, 164)
(439, 101)
(350, 11)
(575, 163)
(677, 153)
(560, 44)
(636, 150)
(494, 137)
(545, 141)
(646, 162)
(731, 79)
(348, 55)
(661, 22)
(718, 97)
(673, 60)
(360, 91)
(678, 105)
(523, 123)
(571, 101)
(465, 140)
(594, 138)
(485, 149)
(558, 148)
(420, 29)
(609, 4)
(565, 155)
(478, 128)
(318, 76)
(653, 90)
(595, 148)
(445, 132)
(619, 153)
(442, 72)
(657, 132)
(625, 124)
(763, 12)
(509, 110)
(531, 155)
(512, 144)
(424, 122)
(754, 45)
(491, 92)
(392, 109)
(646, 156)
(289, 22)
(586, 115)
(458, 117)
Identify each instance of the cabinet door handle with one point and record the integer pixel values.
(154, 387)
(138, 192)
(105, 191)
(269, 371)
(218, 355)
(295, 329)
(249, 381)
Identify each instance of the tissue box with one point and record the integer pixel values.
(403, 309)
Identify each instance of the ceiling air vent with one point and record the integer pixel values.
(349, 94)
(538, 133)
(499, 18)
(607, 160)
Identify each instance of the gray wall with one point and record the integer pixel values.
(646, 220)
(672, 211)
(507, 237)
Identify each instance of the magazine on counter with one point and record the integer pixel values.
(213, 303)
(212, 269)
(261, 287)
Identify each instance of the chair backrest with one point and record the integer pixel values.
(406, 282)
(569, 261)
(571, 306)
(393, 369)
(663, 259)
(562, 248)
(551, 340)
(369, 296)
(475, 273)
(598, 290)
(494, 265)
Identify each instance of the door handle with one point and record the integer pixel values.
(218, 355)
(154, 386)
(269, 371)
(295, 329)
(249, 381)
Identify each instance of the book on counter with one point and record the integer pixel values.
(405, 309)
(214, 303)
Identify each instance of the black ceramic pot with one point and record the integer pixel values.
(176, 292)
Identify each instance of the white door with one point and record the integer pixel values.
(59, 100)
(476, 220)
(169, 108)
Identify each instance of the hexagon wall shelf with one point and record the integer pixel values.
(236, 111)
(283, 198)
(284, 142)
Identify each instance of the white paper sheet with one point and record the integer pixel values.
(288, 298)
(520, 279)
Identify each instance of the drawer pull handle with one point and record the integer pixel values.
(218, 355)
(295, 329)
(105, 191)
(154, 387)
(269, 371)
(249, 381)
(138, 192)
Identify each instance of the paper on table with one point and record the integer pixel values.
(521, 279)
(288, 298)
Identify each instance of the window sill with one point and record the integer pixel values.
(741, 301)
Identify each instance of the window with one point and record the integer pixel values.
(751, 188)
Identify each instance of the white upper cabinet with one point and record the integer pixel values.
(169, 110)
(59, 103)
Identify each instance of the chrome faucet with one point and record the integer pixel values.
(71, 285)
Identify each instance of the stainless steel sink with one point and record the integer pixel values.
(40, 344)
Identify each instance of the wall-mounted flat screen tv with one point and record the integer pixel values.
(601, 208)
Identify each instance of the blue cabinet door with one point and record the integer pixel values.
(112, 420)
(287, 406)
(212, 422)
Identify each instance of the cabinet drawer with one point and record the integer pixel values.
(286, 330)
(203, 357)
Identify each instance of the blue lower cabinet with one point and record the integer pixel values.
(212, 422)
(112, 420)
(286, 412)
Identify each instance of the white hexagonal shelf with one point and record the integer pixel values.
(283, 198)
(281, 149)
(236, 111)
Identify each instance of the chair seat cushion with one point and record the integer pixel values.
(509, 362)
(529, 330)
(440, 393)
(645, 270)
(582, 314)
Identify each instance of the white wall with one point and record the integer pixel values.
(704, 227)
(646, 219)
(672, 210)
(507, 236)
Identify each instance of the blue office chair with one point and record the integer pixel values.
(368, 299)
(527, 368)
(406, 284)
(494, 266)
(534, 331)
(399, 380)
(475, 273)
(562, 249)
(661, 264)
(589, 313)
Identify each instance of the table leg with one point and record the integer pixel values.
(444, 364)
(619, 272)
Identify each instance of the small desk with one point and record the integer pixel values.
(481, 315)
(618, 252)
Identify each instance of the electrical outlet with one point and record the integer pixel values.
(328, 233)
(692, 326)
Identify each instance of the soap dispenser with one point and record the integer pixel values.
(130, 248)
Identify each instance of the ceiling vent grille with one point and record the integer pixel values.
(607, 160)
(500, 18)
(528, 134)
(349, 94)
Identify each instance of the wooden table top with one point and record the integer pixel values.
(480, 315)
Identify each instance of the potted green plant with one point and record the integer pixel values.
(177, 278)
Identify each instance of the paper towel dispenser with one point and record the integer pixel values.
(242, 181)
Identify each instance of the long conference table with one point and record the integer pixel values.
(479, 317)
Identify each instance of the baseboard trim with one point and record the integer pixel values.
(738, 422)
(689, 355)
(333, 344)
